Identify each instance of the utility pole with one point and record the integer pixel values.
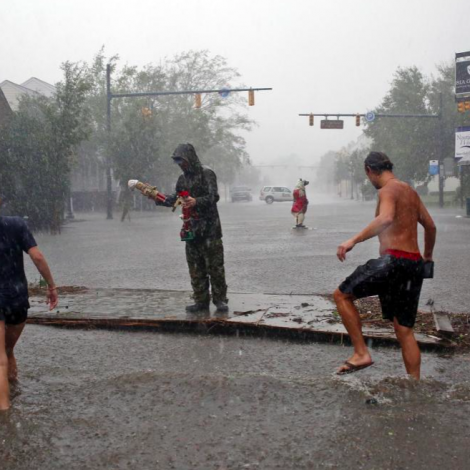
(109, 189)
(110, 96)
(441, 154)
(352, 184)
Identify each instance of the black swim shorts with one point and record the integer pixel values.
(14, 316)
(397, 282)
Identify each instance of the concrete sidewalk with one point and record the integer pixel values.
(303, 316)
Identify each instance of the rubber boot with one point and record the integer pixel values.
(197, 307)
(222, 307)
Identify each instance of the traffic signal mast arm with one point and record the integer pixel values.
(188, 92)
(369, 117)
(197, 94)
(338, 115)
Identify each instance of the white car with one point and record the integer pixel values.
(275, 193)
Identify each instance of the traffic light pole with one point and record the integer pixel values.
(110, 96)
(437, 116)
(326, 115)
(441, 154)
(109, 181)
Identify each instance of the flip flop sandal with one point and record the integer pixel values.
(353, 368)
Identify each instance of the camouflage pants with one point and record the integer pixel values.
(206, 265)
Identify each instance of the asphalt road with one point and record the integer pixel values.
(263, 253)
(110, 400)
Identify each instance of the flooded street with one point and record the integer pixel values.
(262, 252)
(97, 399)
(193, 197)
(118, 400)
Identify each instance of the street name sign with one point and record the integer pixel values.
(224, 92)
(331, 124)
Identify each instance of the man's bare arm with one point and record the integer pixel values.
(429, 231)
(41, 264)
(382, 221)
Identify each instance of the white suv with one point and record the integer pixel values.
(275, 193)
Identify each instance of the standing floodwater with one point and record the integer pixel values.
(108, 400)
(96, 399)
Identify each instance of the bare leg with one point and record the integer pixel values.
(4, 386)
(352, 323)
(13, 333)
(409, 349)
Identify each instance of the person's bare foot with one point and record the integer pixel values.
(12, 369)
(355, 363)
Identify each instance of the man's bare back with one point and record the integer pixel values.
(402, 234)
(404, 204)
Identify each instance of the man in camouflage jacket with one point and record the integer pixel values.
(205, 253)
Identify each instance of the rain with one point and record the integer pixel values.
(236, 235)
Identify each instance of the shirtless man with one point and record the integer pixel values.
(397, 276)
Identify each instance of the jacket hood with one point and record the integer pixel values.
(188, 153)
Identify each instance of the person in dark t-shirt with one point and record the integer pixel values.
(15, 238)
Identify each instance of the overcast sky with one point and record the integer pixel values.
(319, 56)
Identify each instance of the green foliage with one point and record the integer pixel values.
(37, 151)
(146, 130)
(46, 137)
(356, 166)
(350, 166)
(412, 142)
(463, 191)
(342, 167)
(248, 176)
(326, 174)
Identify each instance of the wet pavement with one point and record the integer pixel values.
(123, 400)
(303, 316)
(126, 400)
(263, 253)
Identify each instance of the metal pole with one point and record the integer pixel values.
(461, 185)
(109, 188)
(441, 156)
(338, 115)
(69, 214)
(185, 92)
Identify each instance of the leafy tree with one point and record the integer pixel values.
(146, 130)
(326, 174)
(37, 150)
(442, 91)
(409, 142)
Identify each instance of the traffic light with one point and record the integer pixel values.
(358, 120)
(251, 98)
(197, 100)
(467, 105)
(461, 107)
(310, 119)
